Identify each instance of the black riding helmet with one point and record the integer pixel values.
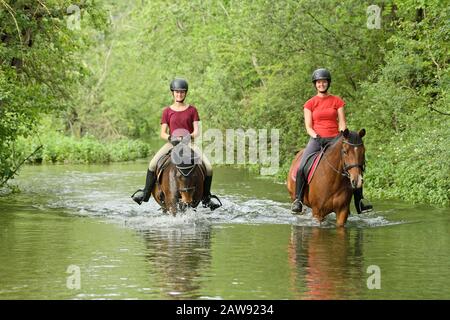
(321, 74)
(179, 84)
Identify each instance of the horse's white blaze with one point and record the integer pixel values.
(359, 181)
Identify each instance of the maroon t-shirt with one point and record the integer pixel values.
(180, 119)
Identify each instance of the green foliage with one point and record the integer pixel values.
(58, 148)
(40, 68)
(413, 167)
(407, 111)
(249, 66)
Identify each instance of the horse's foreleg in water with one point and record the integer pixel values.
(318, 215)
(341, 216)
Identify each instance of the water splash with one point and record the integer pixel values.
(107, 195)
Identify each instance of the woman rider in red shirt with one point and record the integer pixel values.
(178, 120)
(324, 119)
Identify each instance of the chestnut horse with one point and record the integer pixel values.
(180, 185)
(338, 173)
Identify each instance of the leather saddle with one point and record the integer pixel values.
(310, 166)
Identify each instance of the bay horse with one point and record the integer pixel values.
(338, 173)
(179, 183)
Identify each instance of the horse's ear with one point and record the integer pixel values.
(346, 133)
(362, 132)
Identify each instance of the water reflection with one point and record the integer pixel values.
(179, 259)
(326, 263)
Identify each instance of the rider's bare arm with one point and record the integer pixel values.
(195, 133)
(341, 120)
(164, 135)
(308, 123)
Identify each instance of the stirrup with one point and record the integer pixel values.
(294, 206)
(364, 208)
(136, 199)
(208, 203)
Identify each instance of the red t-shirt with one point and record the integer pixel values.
(180, 119)
(325, 115)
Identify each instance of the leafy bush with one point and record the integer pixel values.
(58, 148)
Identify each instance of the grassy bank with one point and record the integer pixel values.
(412, 167)
(58, 148)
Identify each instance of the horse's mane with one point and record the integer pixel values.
(354, 138)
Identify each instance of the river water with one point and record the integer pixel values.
(74, 233)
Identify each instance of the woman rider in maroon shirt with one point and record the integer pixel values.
(324, 119)
(178, 121)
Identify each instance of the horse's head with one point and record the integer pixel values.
(187, 178)
(186, 186)
(353, 156)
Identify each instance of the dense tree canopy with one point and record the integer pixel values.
(248, 64)
(40, 67)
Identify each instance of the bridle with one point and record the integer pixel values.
(181, 170)
(353, 165)
(347, 167)
(186, 189)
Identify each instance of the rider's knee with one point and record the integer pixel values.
(152, 164)
(209, 171)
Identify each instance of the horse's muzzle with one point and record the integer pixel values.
(356, 183)
(186, 195)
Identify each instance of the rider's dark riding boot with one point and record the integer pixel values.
(207, 202)
(361, 204)
(297, 205)
(143, 195)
